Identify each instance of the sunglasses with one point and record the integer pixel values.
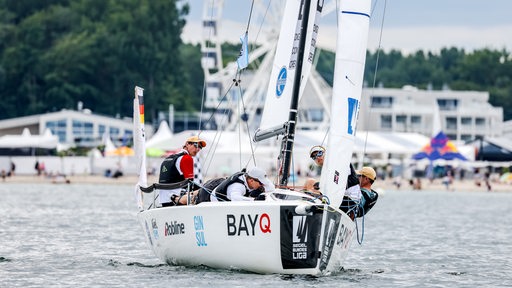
(197, 145)
(318, 154)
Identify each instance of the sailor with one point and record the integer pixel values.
(178, 167)
(243, 186)
(317, 154)
(360, 198)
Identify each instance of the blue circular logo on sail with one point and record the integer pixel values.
(281, 82)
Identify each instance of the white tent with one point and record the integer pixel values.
(161, 137)
(26, 140)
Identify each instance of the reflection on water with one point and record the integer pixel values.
(88, 235)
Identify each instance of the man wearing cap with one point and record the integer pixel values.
(359, 199)
(178, 167)
(243, 186)
(317, 153)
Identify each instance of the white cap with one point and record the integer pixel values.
(258, 173)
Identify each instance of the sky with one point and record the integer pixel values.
(407, 25)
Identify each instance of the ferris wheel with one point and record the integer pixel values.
(263, 36)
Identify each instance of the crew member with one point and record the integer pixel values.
(178, 167)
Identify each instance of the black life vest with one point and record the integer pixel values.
(222, 190)
(168, 171)
(370, 198)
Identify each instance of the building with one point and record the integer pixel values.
(73, 128)
(461, 115)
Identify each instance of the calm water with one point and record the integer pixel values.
(88, 236)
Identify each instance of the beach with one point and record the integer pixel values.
(382, 185)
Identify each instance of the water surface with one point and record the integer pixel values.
(88, 236)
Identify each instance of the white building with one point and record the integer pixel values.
(461, 115)
(81, 128)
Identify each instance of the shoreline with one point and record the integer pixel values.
(383, 185)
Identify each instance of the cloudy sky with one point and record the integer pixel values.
(408, 25)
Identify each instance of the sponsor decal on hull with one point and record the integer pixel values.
(300, 236)
(148, 233)
(174, 228)
(331, 231)
(155, 228)
(199, 228)
(247, 224)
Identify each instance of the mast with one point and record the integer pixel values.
(289, 137)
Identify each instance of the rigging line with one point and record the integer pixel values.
(379, 49)
(261, 24)
(204, 81)
(250, 15)
(224, 97)
(247, 127)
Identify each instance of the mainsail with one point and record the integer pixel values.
(353, 25)
(280, 88)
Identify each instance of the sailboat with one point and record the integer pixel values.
(289, 232)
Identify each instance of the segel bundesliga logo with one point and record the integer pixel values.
(246, 224)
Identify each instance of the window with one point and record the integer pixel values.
(401, 119)
(382, 102)
(416, 120)
(480, 122)
(316, 115)
(466, 137)
(465, 121)
(58, 128)
(447, 104)
(451, 123)
(385, 121)
(101, 130)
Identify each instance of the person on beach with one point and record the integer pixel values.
(176, 168)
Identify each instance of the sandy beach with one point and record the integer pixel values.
(386, 185)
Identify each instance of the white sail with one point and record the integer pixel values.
(139, 141)
(353, 25)
(280, 88)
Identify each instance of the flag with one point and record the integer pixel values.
(243, 58)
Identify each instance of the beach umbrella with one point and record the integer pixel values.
(155, 152)
(121, 151)
(440, 147)
(506, 177)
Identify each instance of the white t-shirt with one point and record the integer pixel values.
(235, 191)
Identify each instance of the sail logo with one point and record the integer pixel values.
(200, 235)
(281, 81)
(353, 105)
(174, 228)
(246, 224)
(300, 237)
(155, 228)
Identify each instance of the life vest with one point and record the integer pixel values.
(222, 190)
(370, 198)
(168, 171)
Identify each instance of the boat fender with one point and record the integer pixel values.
(305, 209)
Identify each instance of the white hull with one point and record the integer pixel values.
(260, 236)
